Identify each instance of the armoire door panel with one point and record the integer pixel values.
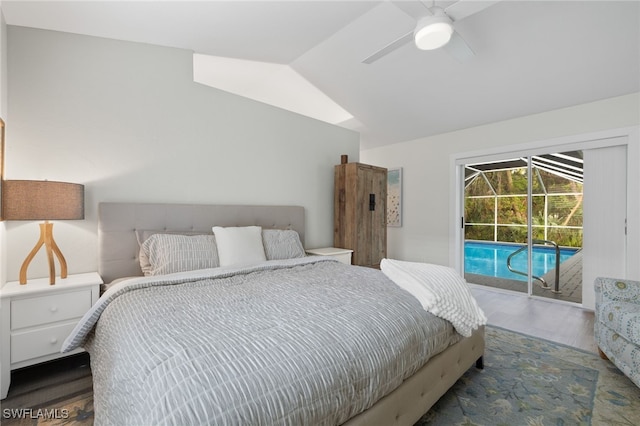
(360, 212)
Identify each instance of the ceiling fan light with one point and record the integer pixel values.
(433, 32)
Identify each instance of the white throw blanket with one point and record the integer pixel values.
(440, 290)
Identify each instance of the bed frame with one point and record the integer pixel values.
(118, 223)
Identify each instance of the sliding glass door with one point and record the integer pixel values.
(605, 236)
(496, 224)
(577, 197)
(523, 224)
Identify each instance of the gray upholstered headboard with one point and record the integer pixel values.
(117, 223)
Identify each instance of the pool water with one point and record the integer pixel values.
(488, 258)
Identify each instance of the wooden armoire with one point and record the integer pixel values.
(360, 211)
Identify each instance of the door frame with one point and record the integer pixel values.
(628, 136)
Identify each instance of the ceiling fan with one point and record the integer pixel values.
(435, 29)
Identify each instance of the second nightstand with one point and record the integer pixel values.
(340, 254)
(37, 317)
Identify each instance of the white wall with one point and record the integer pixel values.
(3, 112)
(427, 174)
(127, 121)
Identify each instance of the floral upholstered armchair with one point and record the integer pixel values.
(617, 324)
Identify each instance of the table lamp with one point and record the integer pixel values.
(43, 200)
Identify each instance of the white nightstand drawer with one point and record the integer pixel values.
(36, 318)
(40, 342)
(339, 254)
(344, 258)
(49, 309)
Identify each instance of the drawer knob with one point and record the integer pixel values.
(54, 340)
(54, 309)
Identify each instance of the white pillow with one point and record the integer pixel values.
(239, 245)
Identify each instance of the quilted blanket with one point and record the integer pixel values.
(440, 290)
(301, 341)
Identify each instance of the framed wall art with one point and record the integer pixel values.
(394, 197)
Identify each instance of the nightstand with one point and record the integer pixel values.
(340, 254)
(37, 317)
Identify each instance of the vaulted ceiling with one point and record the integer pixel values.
(530, 56)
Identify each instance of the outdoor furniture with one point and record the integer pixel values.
(617, 324)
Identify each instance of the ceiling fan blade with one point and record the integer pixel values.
(463, 8)
(415, 9)
(458, 48)
(389, 48)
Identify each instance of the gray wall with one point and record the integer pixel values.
(127, 121)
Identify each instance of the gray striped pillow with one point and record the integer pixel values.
(169, 253)
(280, 244)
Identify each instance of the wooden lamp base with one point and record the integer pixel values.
(46, 239)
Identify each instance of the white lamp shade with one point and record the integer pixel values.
(433, 32)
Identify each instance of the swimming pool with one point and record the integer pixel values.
(489, 258)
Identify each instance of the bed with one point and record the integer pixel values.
(292, 339)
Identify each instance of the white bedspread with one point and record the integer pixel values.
(440, 290)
